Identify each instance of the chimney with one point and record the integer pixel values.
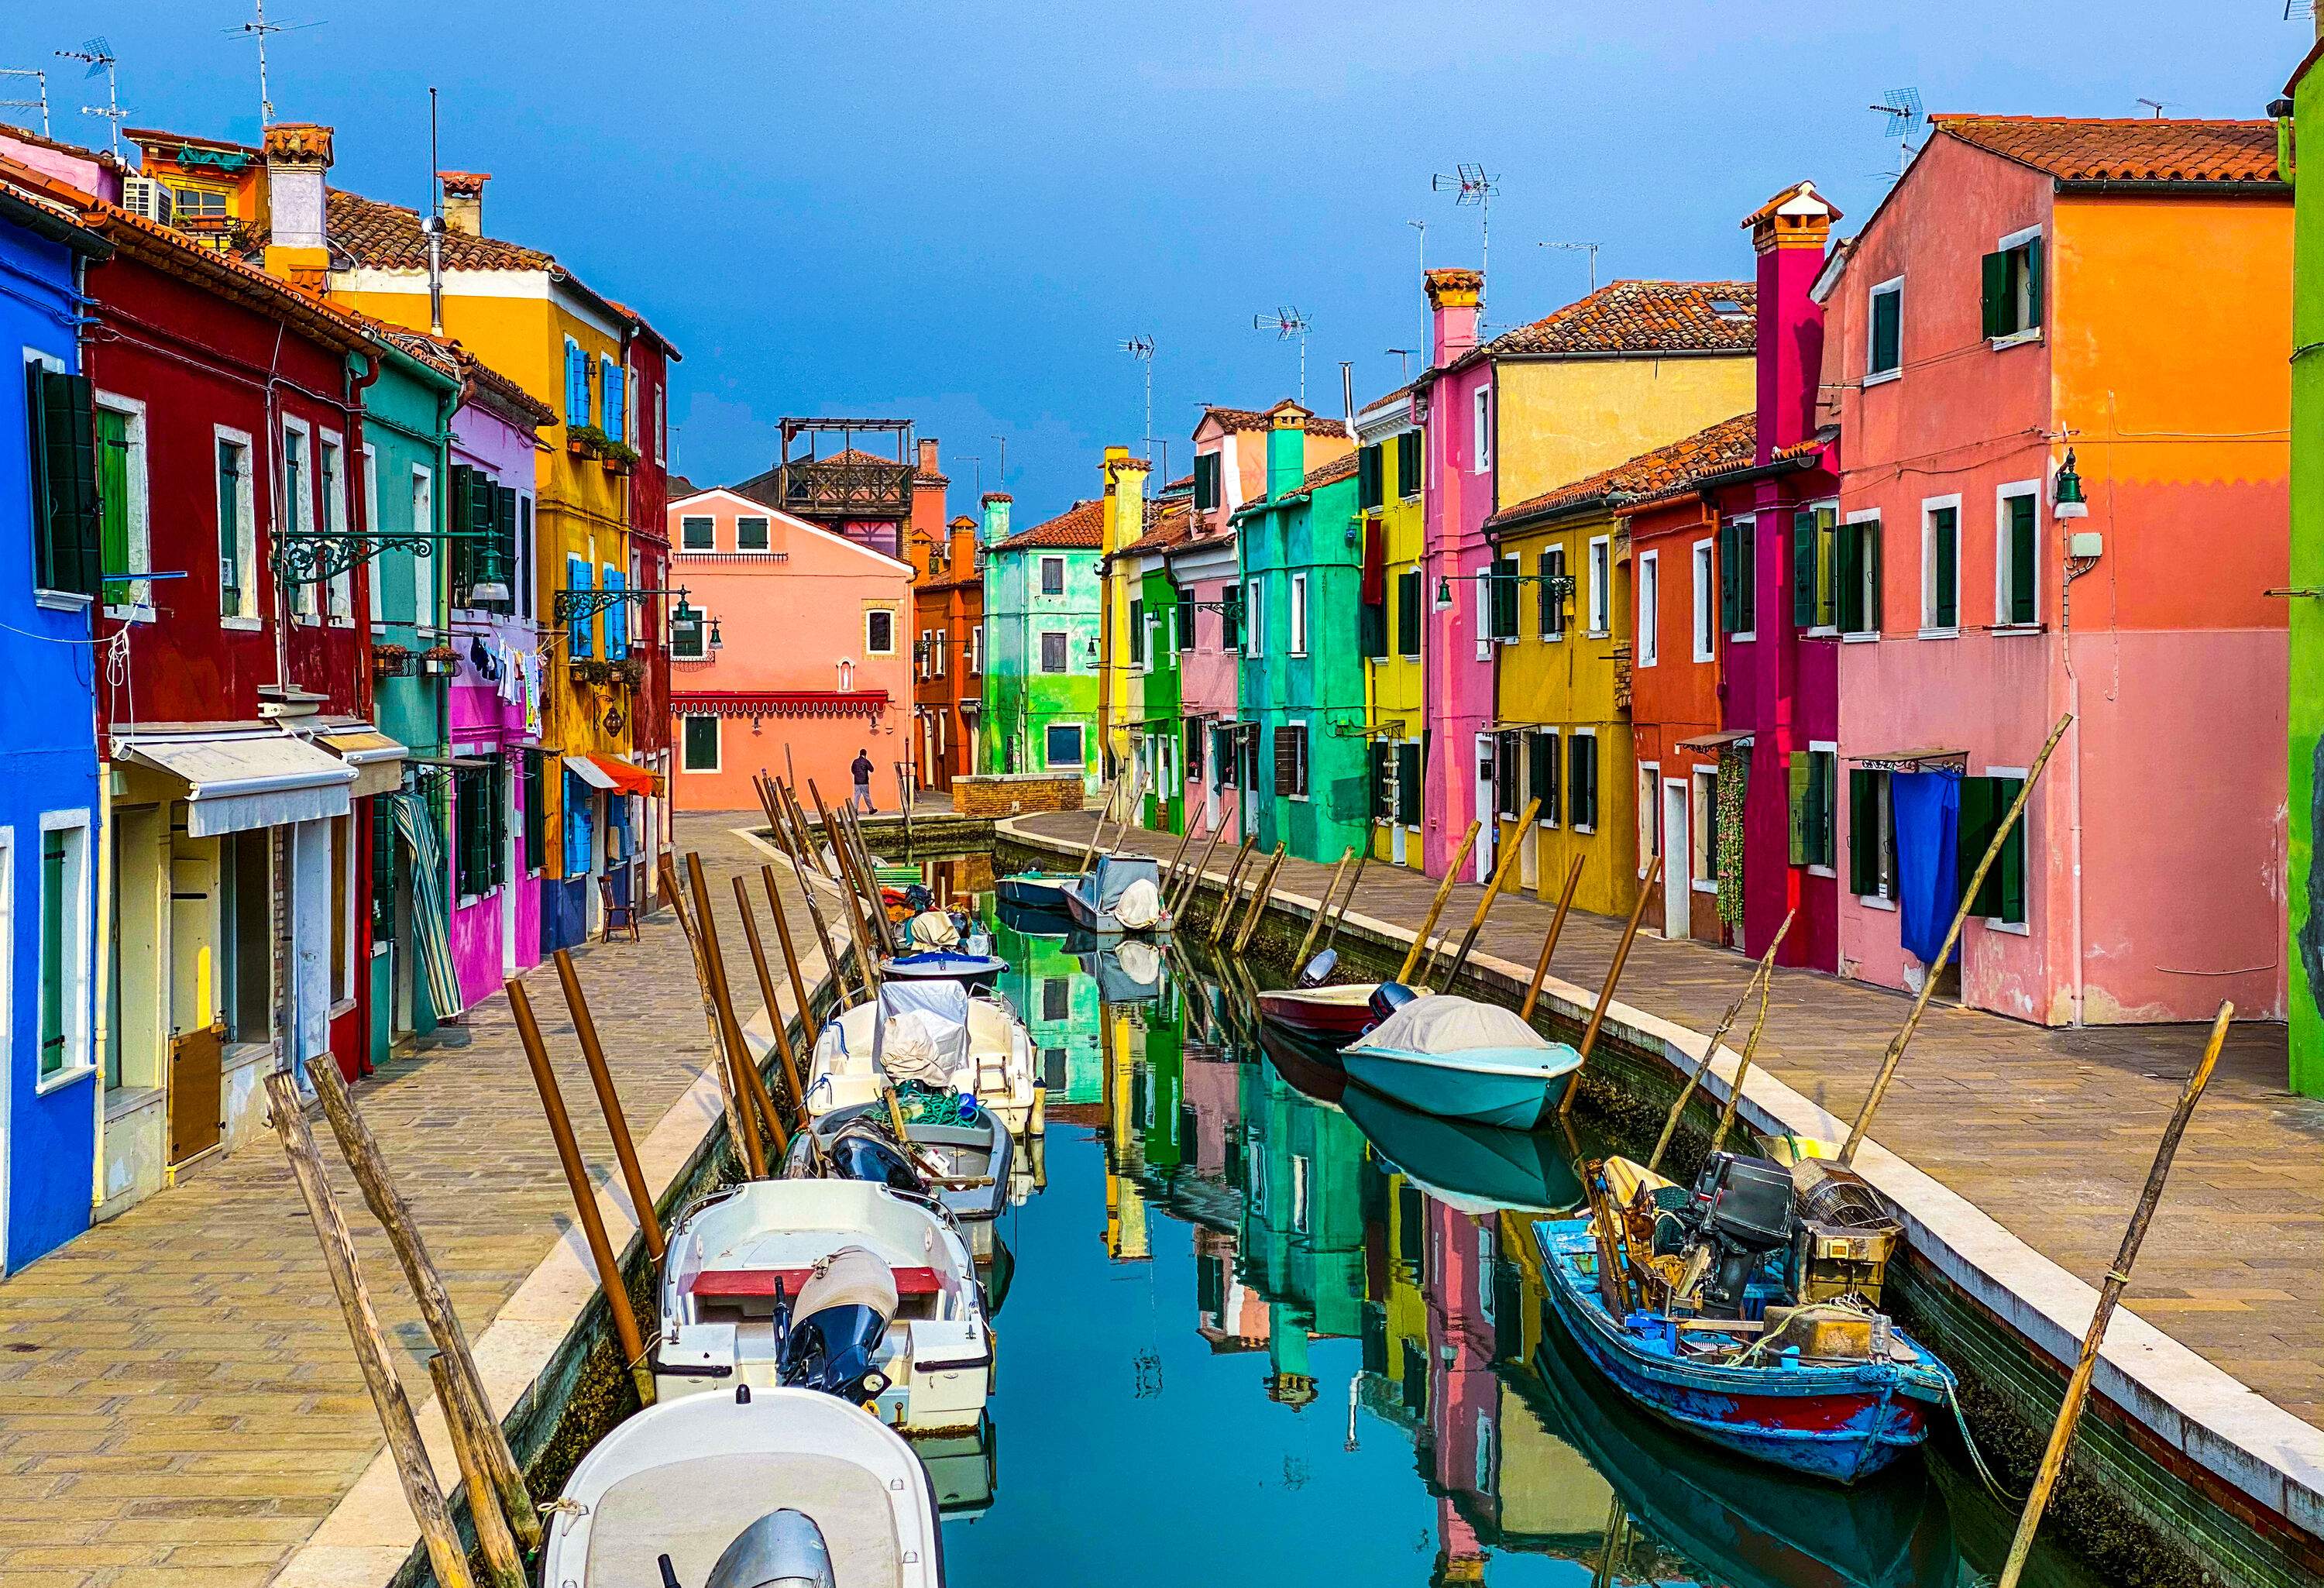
(1453, 298)
(1125, 494)
(464, 200)
(1789, 233)
(1287, 448)
(298, 154)
(996, 517)
(960, 545)
(928, 457)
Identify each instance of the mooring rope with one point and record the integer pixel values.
(1985, 1473)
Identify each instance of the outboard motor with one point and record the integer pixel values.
(831, 1339)
(1743, 1208)
(1318, 970)
(861, 1153)
(1388, 997)
(782, 1549)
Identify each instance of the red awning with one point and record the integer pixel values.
(628, 776)
(755, 703)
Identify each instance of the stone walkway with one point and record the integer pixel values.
(179, 1403)
(2049, 1132)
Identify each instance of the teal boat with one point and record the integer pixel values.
(1471, 1168)
(1459, 1059)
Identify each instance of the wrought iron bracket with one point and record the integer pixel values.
(570, 605)
(317, 557)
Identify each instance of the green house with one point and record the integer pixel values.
(2303, 112)
(1041, 605)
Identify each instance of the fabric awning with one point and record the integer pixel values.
(586, 769)
(1909, 761)
(1719, 741)
(239, 782)
(628, 776)
(377, 759)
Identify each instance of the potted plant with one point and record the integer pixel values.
(588, 669)
(618, 456)
(441, 659)
(629, 672)
(390, 660)
(585, 440)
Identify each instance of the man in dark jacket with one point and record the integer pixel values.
(861, 768)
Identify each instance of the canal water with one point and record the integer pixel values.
(1257, 1328)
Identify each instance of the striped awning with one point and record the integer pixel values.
(863, 703)
(239, 781)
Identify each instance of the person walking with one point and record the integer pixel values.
(861, 768)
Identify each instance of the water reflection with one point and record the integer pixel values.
(1302, 1298)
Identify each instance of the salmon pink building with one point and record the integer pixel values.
(2060, 348)
(791, 655)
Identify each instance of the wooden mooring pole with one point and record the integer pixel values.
(1509, 852)
(495, 1541)
(1549, 942)
(1436, 905)
(790, 956)
(792, 852)
(1258, 899)
(1229, 897)
(782, 1027)
(730, 1098)
(1742, 1071)
(1613, 977)
(747, 1088)
(1193, 884)
(1766, 968)
(1322, 908)
(617, 1124)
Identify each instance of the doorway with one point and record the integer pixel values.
(1678, 863)
(1487, 825)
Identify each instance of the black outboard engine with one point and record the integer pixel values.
(782, 1549)
(831, 1339)
(1388, 997)
(860, 1152)
(1743, 1208)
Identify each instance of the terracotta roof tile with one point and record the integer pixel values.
(2141, 149)
(1729, 444)
(1258, 419)
(1165, 531)
(1642, 317)
(1339, 468)
(387, 236)
(1080, 528)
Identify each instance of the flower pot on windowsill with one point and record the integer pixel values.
(440, 661)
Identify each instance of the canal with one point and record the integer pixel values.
(1259, 1328)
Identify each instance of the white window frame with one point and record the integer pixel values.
(1298, 637)
(1853, 524)
(1649, 796)
(139, 608)
(351, 922)
(1600, 612)
(1047, 564)
(524, 577)
(248, 618)
(1647, 579)
(765, 523)
(661, 418)
(1704, 598)
(1548, 813)
(1306, 759)
(976, 649)
(1930, 507)
(2002, 495)
(298, 505)
(1701, 827)
(1254, 620)
(1885, 818)
(889, 648)
(423, 572)
(686, 522)
(339, 594)
(1829, 748)
(1597, 775)
(375, 591)
(80, 1058)
(1480, 437)
(1065, 650)
(1894, 287)
(1739, 522)
(2033, 333)
(1080, 730)
(685, 753)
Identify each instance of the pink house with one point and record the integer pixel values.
(794, 659)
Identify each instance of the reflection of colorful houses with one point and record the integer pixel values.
(1125, 1198)
(1059, 1006)
(1464, 1394)
(1303, 1239)
(1158, 1082)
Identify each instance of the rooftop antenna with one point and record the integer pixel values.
(258, 30)
(41, 82)
(1469, 184)
(2155, 106)
(1001, 483)
(1141, 348)
(1589, 248)
(99, 55)
(1287, 322)
(1426, 323)
(1906, 122)
(433, 224)
(1402, 362)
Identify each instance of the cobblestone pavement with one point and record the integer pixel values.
(2051, 1132)
(179, 1403)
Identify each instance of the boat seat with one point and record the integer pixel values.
(738, 1284)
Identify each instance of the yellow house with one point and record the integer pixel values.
(1388, 482)
(1122, 637)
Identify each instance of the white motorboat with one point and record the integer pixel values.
(933, 1032)
(743, 1488)
(967, 1164)
(736, 1255)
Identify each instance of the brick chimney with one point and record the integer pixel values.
(297, 155)
(1287, 448)
(996, 506)
(1453, 298)
(929, 457)
(1789, 233)
(464, 200)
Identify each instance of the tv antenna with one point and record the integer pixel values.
(1141, 348)
(1402, 362)
(40, 83)
(1469, 184)
(1001, 468)
(1906, 122)
(2155, 107)
(1287, 323)
(1427, 322)
(259, 29)
(1589, 248)
(97, 54)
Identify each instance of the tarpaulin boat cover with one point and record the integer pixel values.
(922, 1034)
(1444, 1023)
(933, 928)
(1129, 889)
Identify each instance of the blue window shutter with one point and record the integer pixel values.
(576, 578)
(617, 620)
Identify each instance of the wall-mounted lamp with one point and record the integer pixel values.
(717, 640)
(2070, 502)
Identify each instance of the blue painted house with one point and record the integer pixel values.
(53, 459)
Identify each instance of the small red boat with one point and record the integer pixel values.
(1327, 1015)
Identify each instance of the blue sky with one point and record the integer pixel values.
(955, 213)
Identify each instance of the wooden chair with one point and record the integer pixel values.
(619, 909)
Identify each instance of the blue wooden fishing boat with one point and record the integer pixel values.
(1460, 1059)
(945, 965)
(1123, 894)
(1838, 1420)
(1035, 889)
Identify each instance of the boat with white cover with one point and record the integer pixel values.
(933, 1032)
(1462, 1059)
(741, 1490)
(734, 1253)
(1123, 894)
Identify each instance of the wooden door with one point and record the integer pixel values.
(196, 1114)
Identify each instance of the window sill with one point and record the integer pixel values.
(1597, 634)
(1700, 886)
(1881, 377)
(2018, 629)
(63, 1078)
(344, 1006)
(1702, 656)
(1822, 632)
(121, 1102)
(1861, 637)
(62, 601)
(2015, 340)
(1821, 870)
(1584, 831)
(131, 614)
(1746, 638)
(1874, 902)
(2015, 929)
(245, 625)
(1938, 634)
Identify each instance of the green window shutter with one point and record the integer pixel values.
(1874, 614)
(1827, 567)
(1371, 630)
(1747, 577)
(1847, 577)
(2021, 560)
(1408, 784)
(2009, 865)
(1797, 767)
(1407, 613)
(1887, 324)
(1863, 832)
(1541, 771)
(1945, 546)
(1823, 778)
(1995, 267)
(1973, 832)
(1407, 464)
(1504, 583)
(1546, 605)
(1368, 477)
(1727, 582)
(113, 501)
(2032, 286)
(70, 527)
(1804, 561)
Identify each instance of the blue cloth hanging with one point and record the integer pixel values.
(1927, 806)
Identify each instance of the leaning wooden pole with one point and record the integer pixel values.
(1766, 968)
(1903, 1037)
(1193, 884)
(609, 1101)
(1231, 895)
(790, 955)
(1323, 907)
(2118, 1278)
(1089, 854)
(1742, 1070)
(851, 886)
(1436, 905)
(503, 1561)
(584, 1195)
(738, 1051)
(361, 1148)
(1259, 900)
(1347, 900)
(729, 1088)
(1613, 975)
(1549, 943)
(444, 1554)
(1509, 852)
(775, 1021)
(1171, 871)
(807, 890)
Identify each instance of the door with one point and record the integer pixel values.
(1678, 863)
(310, 940)
(511, 857)
(1488, 808)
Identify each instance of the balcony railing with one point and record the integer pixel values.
(855, 489)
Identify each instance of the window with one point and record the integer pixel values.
(1137, 634)
(880, 632)
(479, 836)
(1062, 745)
(1053, 652)
(1371, 628)
(617, 617)
(1057, 998)
(577, 383)
(698, 534)
(582, 633)
(297, 515)
(1230, 618)
(750, 534)
(1507, 752)
(1481, 430)
(339, 594)
(1984, 801)
(1650, 621)
(196, 204)
(1703, 829)
(1884, 343)
(702, 744)
(1206, 481)
(976, 649)
(238, 532)
(1871, 836)
(2016, 602)
(1291, 761)
(686, 634)
(1858, 574)
(1549, 601)
(2012, 287)
(536, 810)
(1601, 585)
(1254, 620)
(68, 533)
(378, 590)
(1500, 581)
(1650, 813)
(1369, 488)
(614, 383)
(580, 826)
(1704, 604)
(343, 927)
(424, 568)
(122, 534)
(1298, 614)
(1053, 576)
(1814, 570)
(1739, 576)
(1940, 564)
(1541, 774)
(64, 942)
(1581, 783)
(1407, 613)
(1407, 463)
(522, 576)
(1408, 783)
(1184, 612)
(1811, 775)
(662, 421)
